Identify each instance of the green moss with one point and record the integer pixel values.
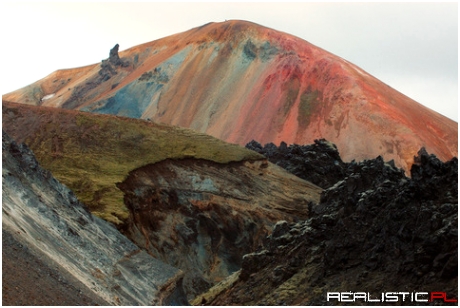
(91, 153)
(217, 289)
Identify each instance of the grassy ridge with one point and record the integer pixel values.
(90, 153)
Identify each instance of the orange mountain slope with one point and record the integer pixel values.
(240, 81)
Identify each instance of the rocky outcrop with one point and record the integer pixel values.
(202, 217)
(108, 69)
(374, 231)
(109, 66)
(319, 163)
(115, 59)
(46, 217)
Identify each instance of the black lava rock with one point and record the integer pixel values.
(319, 163)
(374, 230)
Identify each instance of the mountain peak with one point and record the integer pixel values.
(240, 81)
(242, 30)
(232, 25)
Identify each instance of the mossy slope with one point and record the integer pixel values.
(91, 153)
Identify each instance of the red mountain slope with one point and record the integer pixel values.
(239, 81)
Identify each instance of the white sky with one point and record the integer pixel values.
(412, 47)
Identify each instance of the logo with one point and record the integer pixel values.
(389, 297)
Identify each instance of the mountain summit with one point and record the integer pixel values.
(240, 81)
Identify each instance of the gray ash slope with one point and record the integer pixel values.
(374, 230)
(29, 279)
(66, 240)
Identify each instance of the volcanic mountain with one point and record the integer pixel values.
(239, 81)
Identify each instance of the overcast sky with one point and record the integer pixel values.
(412, 47)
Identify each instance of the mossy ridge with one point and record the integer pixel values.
(90, 153)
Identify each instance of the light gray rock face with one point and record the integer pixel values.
(46, 216)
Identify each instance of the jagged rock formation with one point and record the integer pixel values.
(374, 231)
(239, 81)
(109, 66)
(319, 163)
(202, 217)
(114, 58)
(108, 69)
(46, 217)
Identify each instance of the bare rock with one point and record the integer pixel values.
(202, 217)
(46, 217)
(373, 230)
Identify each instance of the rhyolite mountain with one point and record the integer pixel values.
(239, 81)
(217, 212)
